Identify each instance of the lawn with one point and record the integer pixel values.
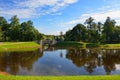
(18, 46)
(115, 77)
(110, 46)
(86, 45)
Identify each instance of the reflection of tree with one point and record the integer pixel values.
(13, 61)
(110, 58)
(78, 57)
(93, 58)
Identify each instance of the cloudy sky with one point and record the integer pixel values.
(53, 16)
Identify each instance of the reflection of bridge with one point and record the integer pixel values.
(48, 41)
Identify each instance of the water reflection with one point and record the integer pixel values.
(12, 61)
(93, 58)
(53, 61)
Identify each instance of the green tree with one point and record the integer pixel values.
(14, 29)
(108, 29)
(92, 31)
(28, 32)
(99, 31)
(4, 28)
(116, 35)
(76, 34)
(68, 36)
(90, 23)
(99, 27)
(1, 34)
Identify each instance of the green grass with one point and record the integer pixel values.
(110, 46)
(18, 46)
(113, 77)
(86, 45)
(69, 44)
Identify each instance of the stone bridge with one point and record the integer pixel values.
(48, 41)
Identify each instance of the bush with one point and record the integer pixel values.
(91, 45)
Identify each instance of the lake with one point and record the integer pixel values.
(56, 61)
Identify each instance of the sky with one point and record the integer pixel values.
(53, 16)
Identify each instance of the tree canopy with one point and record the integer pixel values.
(94, 32)
(16, 31)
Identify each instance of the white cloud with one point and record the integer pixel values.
(98, 16)
(22, 13)
(30, 8)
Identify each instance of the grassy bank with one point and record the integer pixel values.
(18, 46)
(110, 46)
(86, 45)
(69, 44)
(115, 77)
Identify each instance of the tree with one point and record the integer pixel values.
(14, 29)
(92, 33)
(99, 31)
(99, 27)
(90, 23)
(68, 36)
(28, 32)
(1, 34)
(76, 34)
(4, 28)
(116, 35)
(2, 21)
(108, 29)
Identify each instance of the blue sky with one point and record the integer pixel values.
(54, 16)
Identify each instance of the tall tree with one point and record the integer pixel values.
(4, 28)
(89, 22)
(92, 30)
(108, 29)
(14, 28)
(28, 32)
(1, 34)
(68, 36)
(116, 35)
(2, 21)
(78, 33)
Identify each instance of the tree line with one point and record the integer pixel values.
(95, 32)
(16, 31)
(90, 31)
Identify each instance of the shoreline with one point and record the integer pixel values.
(86, 45)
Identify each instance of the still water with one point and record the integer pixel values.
(70, 61)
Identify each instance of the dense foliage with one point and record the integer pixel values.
(14, 31)
(93, 32)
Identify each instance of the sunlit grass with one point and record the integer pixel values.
(112, 77)
(111, 46)
(18, 46)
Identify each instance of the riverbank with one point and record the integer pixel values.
(9, 77)
(70, 44)
(18, 46)
(86, 45)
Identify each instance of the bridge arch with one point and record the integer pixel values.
(48, 41)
